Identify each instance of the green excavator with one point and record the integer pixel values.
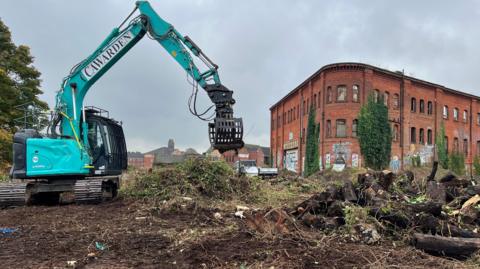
(84, 151)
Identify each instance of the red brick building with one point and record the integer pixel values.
(261, 155)
(337, 91)
(140, 161)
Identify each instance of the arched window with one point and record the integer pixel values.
(355, 93)
(329, 128)
(329, 94)
(396, 132)
(422, 106)
(314, 101)
(319, 100)
(413, 135)
(376, 95)
(413, 105)
(421, 136)
(341, 93)
(455, 145)
(445, 112)
(386, 96)
(465, 116)
(354, 128)
(455, 114)
(430, 108)
(465, 147)
(429, 137)
(396, 101)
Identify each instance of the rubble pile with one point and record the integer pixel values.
(440, 216)
(437, 216)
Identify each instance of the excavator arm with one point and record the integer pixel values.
(225, 132)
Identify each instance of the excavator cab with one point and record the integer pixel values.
(107, 143)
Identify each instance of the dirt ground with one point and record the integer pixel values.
(143, 235)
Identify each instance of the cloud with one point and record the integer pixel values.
(264, 49)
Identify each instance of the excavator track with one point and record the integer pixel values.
(88, 191)
(92, 190)
(13, 194)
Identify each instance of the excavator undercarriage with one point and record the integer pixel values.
(52, 192)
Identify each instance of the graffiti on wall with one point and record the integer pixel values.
(355, 160)
(327, 161)
(395, 164)
(424, 152)
(342, 150)
(291, 160)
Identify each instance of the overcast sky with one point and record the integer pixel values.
(264, 50)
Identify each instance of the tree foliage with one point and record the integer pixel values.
(374, 134)
(311, 151)
(19, 84)
(441, 145)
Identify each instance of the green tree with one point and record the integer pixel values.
(311, 150)
(19, 84)
(441, 145)
(374, 134)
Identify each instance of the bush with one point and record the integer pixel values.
(456, 163)
(416, 161)
(476, 166)
(194, 177)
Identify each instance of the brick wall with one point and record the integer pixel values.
(338, 91)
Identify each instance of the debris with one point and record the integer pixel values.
(140, 218)
(396, 207)
(436, 192)
(71, 263)
(187, 198)
(91, 255)
(217, 215)
(100, 246)
(241, 208)
(7, 231)
(368, 233)
(239, 214)
(450, 246)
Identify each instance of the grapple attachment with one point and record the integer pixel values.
(226, 134)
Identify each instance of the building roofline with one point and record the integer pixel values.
(378, 69)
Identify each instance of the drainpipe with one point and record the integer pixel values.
(402, 129)
(299, 161)
(322, 130)
(470, 152)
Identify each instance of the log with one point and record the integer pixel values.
(433, 172)
(392, 216)
(430, 207)
(452, 230)
(448, 246)
(447, 178)
(385, 179)
(349, 192)
(436, 192)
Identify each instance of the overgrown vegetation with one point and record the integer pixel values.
(441, 145)
(374, 134)
(194, 177)
(311, 152)
(476, 166)
(456, 163)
